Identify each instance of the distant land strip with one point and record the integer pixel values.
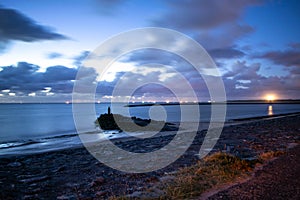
(139, 104)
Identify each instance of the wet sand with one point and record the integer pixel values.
(75, 174)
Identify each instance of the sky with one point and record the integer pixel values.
(255, 45)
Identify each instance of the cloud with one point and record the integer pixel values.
(242, 71)
(26, 78)
(216, 25)
(294, 45)
(108, 7)
(243, 81)
(287, 58)
(54, 55)
(20, 78)
(230, 52)
(59, 73)
(79, 58)
(224, 37)
(295, 70)
(149, 56)
(15, 26)
(202, 14)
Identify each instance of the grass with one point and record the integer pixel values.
(270, 155)
(214, 170)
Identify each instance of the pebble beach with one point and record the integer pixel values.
(75, 174)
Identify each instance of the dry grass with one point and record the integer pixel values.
(214, 170)
(270, 155)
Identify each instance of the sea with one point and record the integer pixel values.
(33, 128)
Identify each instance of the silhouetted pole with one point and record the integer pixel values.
(108, 110)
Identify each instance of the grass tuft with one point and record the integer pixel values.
(216, 169)
(270, 155)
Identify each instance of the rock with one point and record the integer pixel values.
(292, 145)
(34, 179)
(109, 121)
(24, 176)
(59, 169)
(167, 179)
(31, 191)
(30, 197)
(14, 164)
(66, 197)
(136, 194)
(153, 194)
(101, 193)
(98, 181)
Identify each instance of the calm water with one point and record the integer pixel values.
(42, 127)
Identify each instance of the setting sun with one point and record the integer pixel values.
(270, 97)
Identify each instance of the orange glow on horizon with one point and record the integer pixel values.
(270, 97)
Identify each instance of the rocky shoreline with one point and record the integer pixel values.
(109, 121)
(75, 174)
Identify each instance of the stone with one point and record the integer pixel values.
(101, 193)
(154, 194)
(14, 164)
(98, 181)
(167, 179)
(59, 169)
(34, 179)
(66, 197)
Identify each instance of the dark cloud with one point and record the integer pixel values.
(54, 55)
(215, 24)
(150, 56)
(226, 53)
(16, 26)
(59, 73)
(27, 78)
(202, 14)
(295, 45)
(242, 71)
(287, 58)
(295, 70)
(223, 38)
(22, 77)
(80, 58)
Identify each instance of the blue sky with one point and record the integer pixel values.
(255, 45)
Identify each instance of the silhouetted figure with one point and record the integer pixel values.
(108, 110)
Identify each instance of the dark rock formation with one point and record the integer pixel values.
(109, 121)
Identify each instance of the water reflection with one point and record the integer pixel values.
(270, 110)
